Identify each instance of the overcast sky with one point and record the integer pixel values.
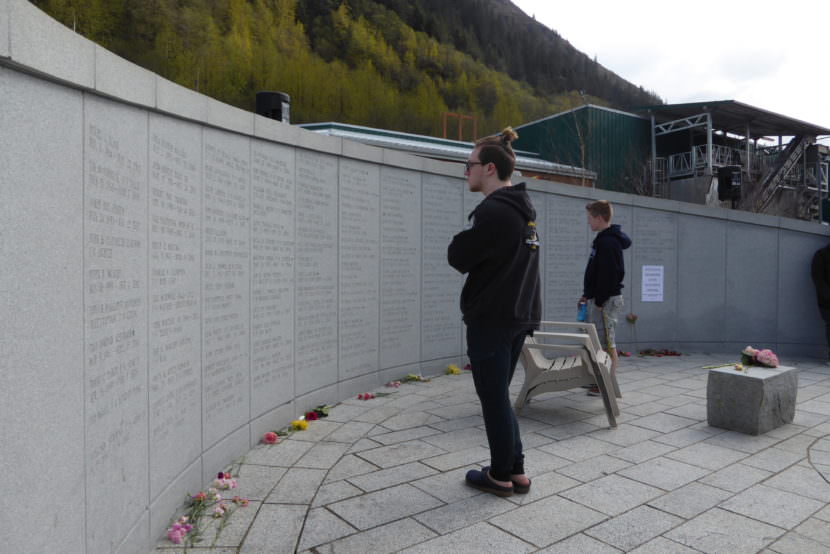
(770, 57)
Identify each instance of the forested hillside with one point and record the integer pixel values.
(396, 64)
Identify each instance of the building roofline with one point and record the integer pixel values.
(566, 112)
(451, 150)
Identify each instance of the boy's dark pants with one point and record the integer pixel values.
(493, 351)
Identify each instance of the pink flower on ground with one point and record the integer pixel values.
(201, 497)
(175, 535)
(270, 438)
(224, 483)
(219, 511)
(178, 530)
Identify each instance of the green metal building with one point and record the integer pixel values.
(614, 144)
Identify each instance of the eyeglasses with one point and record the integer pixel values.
(468, 164)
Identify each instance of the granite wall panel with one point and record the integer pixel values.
(565, 252)
(400, 267)
(796, 293)
(751, 281)
(315, 315)
(175, 315)
(226, 251)
(702, 243)
(359, 268)
(654, 234)
(115, 318)
(443, 204)
(42, 299)
(272, 275)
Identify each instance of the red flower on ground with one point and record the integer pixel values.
(270, 438)
(311, 416)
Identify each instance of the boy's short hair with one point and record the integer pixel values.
(601, 208)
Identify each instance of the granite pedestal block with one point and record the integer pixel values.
(753, 401)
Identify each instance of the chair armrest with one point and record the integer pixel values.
(575, 348)
(581, 338)
(586, 328)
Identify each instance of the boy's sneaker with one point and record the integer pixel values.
(593, 391)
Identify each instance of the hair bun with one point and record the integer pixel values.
(508, 135)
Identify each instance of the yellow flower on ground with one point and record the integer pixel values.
(452, 369)
(299, 425)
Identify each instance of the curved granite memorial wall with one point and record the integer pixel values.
(180, 276)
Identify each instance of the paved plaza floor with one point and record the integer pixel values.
(387, 474)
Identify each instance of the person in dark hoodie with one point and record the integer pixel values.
(500, 302)
(604, 275)
(820, 273)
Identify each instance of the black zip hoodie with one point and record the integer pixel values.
(500, 253)
(606, 269)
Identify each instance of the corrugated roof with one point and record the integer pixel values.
(733, 116)
(432, 147)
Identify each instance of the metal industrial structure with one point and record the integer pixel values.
(720, 153)
(691, 142)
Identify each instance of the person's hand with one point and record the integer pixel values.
(582, 300)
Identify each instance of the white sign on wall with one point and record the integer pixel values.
(652, 283)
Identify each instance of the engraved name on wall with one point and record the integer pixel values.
(272, 279)
(225, 283)
(400, 262)
(441, 284)
(175, 207)
(359, 255)
(115, 317)
(315, 317)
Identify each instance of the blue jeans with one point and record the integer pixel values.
(493, 351)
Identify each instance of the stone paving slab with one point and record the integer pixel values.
(691, 500)
(634, 527)
(478, 538)
(549, 520)
(383, 506)
(580, 543)
(392, 537)
(612, 494)
(721, 531)
(772, 506)
(664, 473)
(387, 475)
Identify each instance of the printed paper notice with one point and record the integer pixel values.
(652, 283)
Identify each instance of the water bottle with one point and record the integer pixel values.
(582, 311)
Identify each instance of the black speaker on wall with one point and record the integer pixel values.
(274, 105)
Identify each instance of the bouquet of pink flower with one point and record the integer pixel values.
(753, 356)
